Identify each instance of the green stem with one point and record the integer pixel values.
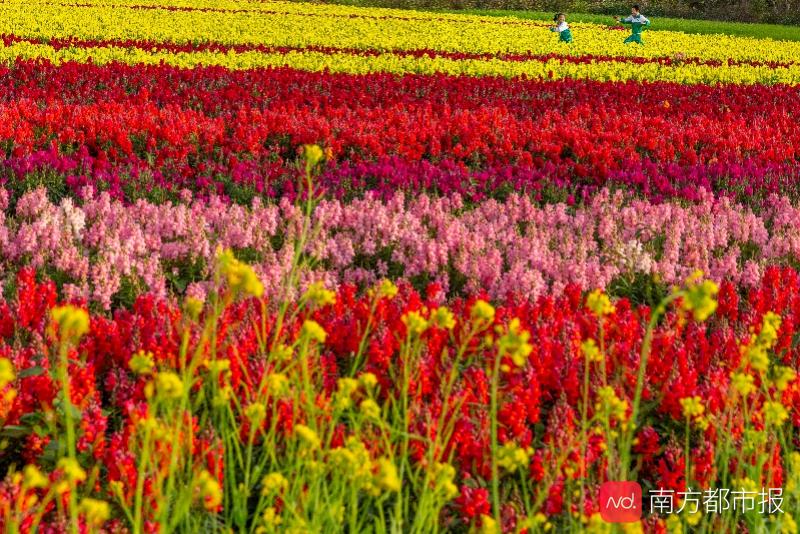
(70, 428)
(494, 445)
(140, 476)
(584, 415)
(686, 452)
(645, 355)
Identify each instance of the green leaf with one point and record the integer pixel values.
(15, 431)
(50, 453)
(32, 371)
(31, 419)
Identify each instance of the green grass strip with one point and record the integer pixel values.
(760, 31)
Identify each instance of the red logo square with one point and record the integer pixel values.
(621, 502)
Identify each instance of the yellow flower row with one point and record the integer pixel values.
(394, 63)
(296, 8)
(292, 26)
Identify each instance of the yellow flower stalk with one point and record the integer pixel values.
(599, 303)
(313, 331)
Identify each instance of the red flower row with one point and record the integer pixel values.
(209, 125)
(687, 360)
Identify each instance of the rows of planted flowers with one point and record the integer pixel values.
(283, 267)
(390, 407)
(150, 132)
(245, 35)
(105, 252)
(263, 400)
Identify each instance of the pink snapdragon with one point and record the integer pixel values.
(515, 246)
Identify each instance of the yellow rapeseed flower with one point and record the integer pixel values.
(386, 476)
(441, 475)
(692, 406)
(700, 296)
(210, 490)
(775, 413)
(511, 457)
(95, 511)
(277, 384)
(745, 484)
(599, 303)
(608, 401)
(142, 363)
(637, 528)
(7, 374)
(370, 409)
(770, 325)
(756, 351)
(33, 478)
(346, 387)
(241, 277)
(223, 396)
(283, 353)
(788, 524)
(193, 307)
(674, 524)
(443, 318)
(72, 469)
(319, 296)
(73, 322)
(369, 380)
(536, 523)
(313, 154)
(307, 436)
(273, 483)
(783, 376)
(482, 311)
(271, 518)
(756, 355)
(255, 413)
(743, 383)
(489, 525)
(313, 331)
(169, 385)
(591, 351)
(387, 289)
(415, 323)
(514, 343)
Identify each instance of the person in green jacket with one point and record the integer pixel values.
(638, 24)
(564, 35)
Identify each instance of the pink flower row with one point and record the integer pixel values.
(506, 247)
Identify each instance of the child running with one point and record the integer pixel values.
(638, 24)
(564, 35)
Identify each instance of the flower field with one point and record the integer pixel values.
(286, 267)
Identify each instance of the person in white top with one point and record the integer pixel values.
(564, 35)
(638, 23)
